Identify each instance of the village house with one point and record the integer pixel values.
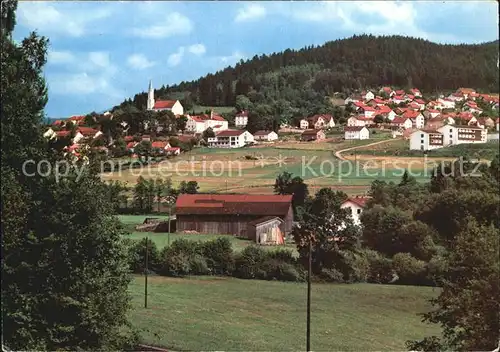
(472, 107)
(163, 105)
(130, 146)
(402, 122)
(426, 139)
(356, 205)
(232, 214)
(77, 120)
(430, 113)
(446, 103)
(485, 122)
(86, 133)
(359, 121)
(377, 102)
(230, 139)
(312, 135)
(304, 124)
(400, 92)
(321, 121)
(467, 117)
(200, 123)
(173, 151)
(398, 99)
(356, 132)
(241, 119)
(368, 95)
(455, 134)
(439, 121)
(265, 136)
(465, 92)
(416, 118)
(420, 103)
(160, 147)
(268, 230)
(456, 97)
(416, 92)
(386, 112)
(387, 90)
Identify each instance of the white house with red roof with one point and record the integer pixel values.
(161, 146)
(385, 111)
(200, 123)
(402, 122)
(321, 121)
(356, 205)
(387, 90)
(304, 124)
(398, 99)
(416, 92)
(241, 119)
(368, 95)
(356, 132)
(431, 113)
(472, 107)
(359, 121)
(265, 136)
(447, 103)
(230, 139)
(416, 118)
(163, 105)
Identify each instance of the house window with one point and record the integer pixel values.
(359, 211)
(422, 135)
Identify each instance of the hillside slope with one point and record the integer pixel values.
(342, 66)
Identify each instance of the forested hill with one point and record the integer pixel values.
(342, 66)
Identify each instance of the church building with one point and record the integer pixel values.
(161, 105)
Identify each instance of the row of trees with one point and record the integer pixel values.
(65, 270)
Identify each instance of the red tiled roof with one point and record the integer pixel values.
(173, 149)
(63, 133)
(218, 118)
(57, 122)
(353, 128)
(411, 114)
(399, 120)
(313, 119)
(384, 109)
(400, 92)
(232, 204)
(466, 116)
(131, 145)
(410, 96)
(76, 118)
(87, 131)
(419, 101)
(159, 144)
(361, 201)
(164, 104)
(367, 108)
(197, 118)
(430, 130)
(128, 138)
(230, 133)
(397, 97)
(310, 132)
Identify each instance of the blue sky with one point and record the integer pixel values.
(103, 52)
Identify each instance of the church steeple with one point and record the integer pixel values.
(151, 96)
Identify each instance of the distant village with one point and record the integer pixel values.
(461, 117)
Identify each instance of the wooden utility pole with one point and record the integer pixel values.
(169, 216)
(146, 277)
(309, 271)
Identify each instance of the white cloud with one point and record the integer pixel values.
(174, 24)
(176, 58)
(139, 62)
(82, 84)
(232, 59)
(250, 12)
(63, 18)
(99, 59)
(60, 57)
(197, 49)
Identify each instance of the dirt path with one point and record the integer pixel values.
(338, 154)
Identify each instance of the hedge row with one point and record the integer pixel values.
(216, 257)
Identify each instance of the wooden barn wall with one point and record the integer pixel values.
(225, 224)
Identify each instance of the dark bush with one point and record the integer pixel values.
(176, 265)
(410, 270)
(198, 265)
(219, 256)
(182, 258)
(284, 255)
(331, 275)
(380, 268)
(137, 256)
(436, 270)
(248, 264)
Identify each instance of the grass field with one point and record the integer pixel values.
(212, 313)
(224, 170)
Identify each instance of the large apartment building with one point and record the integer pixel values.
(429, 139)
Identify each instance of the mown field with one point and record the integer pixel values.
(254, 169)
(210, 313)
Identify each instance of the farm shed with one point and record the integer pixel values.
(230, 213)
(267, 230)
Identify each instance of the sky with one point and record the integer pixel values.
(101, 53)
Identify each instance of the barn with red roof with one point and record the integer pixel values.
(231, 214)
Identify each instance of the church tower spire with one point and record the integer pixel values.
(151, 96)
